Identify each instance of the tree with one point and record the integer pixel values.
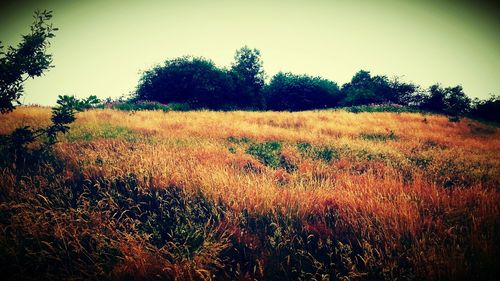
(457, 103)
(407, 94)
(487, 109)
(249, 76)
(28, 60)
(449, 100)
(292, 92)
(434, 100)
(365, 89)
(193, 80)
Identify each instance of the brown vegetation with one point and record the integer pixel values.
(204, 195)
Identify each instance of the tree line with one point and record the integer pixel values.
(198, 83)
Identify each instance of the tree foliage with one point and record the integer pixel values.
(193, 80)
(198, 83)
(249, 78)
(488, 109)
(288, 91)
(367, 89)
(28, 60)
(449, 100)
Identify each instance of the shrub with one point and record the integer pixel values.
(300, 92)
(25, 143)
(192, 80)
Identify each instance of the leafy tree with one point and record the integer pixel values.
(407, 94)
(434, 100)
(366, 89)
(292, 92)
(449, 100)
(363, 89)
(249, 77)
(488, 110)
(193, 80)
(28, 60)
(457, 103)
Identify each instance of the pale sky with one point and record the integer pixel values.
(102, 46)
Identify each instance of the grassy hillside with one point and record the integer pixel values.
(317, 195)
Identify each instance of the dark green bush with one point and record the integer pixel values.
(192, 80)
(292, 92)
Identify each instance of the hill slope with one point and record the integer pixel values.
(265, 195)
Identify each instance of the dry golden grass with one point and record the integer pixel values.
(421, 203)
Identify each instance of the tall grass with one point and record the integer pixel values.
(320, 195)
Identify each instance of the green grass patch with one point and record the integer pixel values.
(147, 105)
(325, 153)
(380, 108)
(103, 132)
(304, 148)
(268, 153)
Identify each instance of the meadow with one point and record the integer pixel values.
(207, 195)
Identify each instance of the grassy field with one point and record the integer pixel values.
(317, 195)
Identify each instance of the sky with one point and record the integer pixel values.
(102, 47)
